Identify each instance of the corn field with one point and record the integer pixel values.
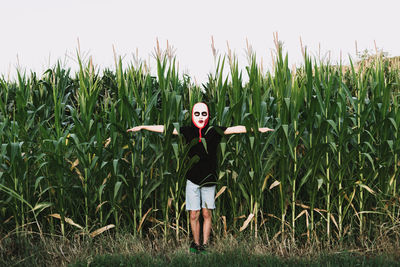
(328, 172)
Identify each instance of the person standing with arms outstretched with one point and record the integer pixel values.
(202, 176)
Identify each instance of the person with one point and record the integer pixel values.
(201, 177)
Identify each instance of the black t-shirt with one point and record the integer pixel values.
(203, 172)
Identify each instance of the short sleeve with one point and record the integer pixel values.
(185, 131)
(220, 130)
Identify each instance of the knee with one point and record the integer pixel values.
(206, 214)
(194, 215)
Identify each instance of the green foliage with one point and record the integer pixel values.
(329, 169)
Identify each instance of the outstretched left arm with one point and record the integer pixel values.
(242, 129)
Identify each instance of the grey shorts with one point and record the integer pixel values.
(196, 194)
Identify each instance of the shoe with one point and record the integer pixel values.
(194, 248)
(203, 249)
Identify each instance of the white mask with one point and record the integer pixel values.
(200, 116)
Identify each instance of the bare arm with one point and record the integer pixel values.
(151, 128)
(242, 129)
(265, 129)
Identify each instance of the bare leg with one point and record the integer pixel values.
(206, 224)
(195, 225)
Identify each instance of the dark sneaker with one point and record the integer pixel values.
(194, 248)
(203, 249)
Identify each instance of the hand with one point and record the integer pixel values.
(135, 129)
(265, 129)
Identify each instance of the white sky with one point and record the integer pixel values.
(42, 31)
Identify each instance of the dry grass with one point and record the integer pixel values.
(29, 250)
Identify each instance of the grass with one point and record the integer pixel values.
(127, 250)
(237, 258)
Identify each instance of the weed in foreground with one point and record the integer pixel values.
(127, 250)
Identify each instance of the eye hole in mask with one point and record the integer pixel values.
(202, 114)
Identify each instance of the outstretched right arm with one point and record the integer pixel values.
(152, 128)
